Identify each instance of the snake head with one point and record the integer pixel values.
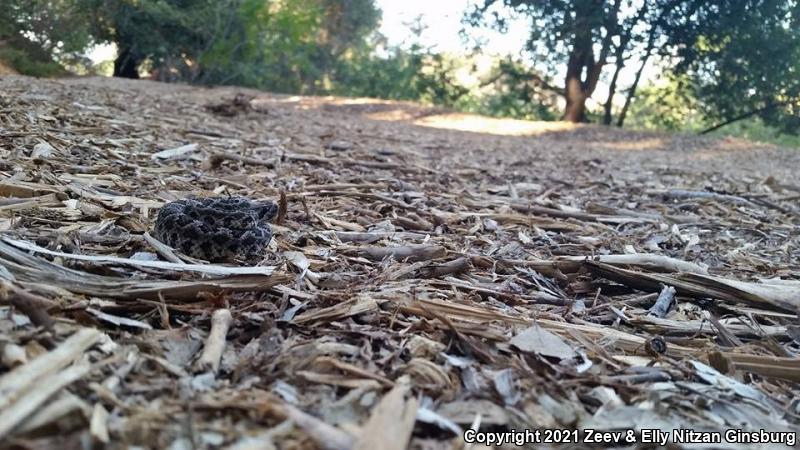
(266, 210)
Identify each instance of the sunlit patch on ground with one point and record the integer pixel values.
(641, 144)
(489, 125)
(430, 117)
(357, 105)
(472, 123)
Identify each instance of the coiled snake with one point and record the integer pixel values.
(216, 229)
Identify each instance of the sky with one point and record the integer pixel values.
(443, 19)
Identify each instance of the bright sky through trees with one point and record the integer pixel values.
(443, 21)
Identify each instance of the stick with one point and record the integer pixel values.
(33, 306)
(27, 387)
(216, 159)
(684, 194)
(215, 343)
(374, 236)
(16, 381)
(552, 212)
(456, 266)
(15, 413)
(408, 252)
(367, 196)
(326, 436)
(768, 366)
(162, 249)
(664, 302)
(210, 269)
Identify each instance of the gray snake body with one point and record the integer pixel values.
(216, 229)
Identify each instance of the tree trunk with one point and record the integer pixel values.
(612, 89)
(127, 64)
(577, 87)
(632, 89)
(575, 110)
(651, 42)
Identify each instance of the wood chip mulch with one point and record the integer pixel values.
(431, 273)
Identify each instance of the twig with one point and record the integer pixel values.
(408, 252)
(663, 303)
(33, 306)
(373, 236)
(768, 366)
(28, 386)
(454, 267)
(726, 336)
(364, 195)
(14, 382)
(215, 343)
(326, 436)
(747, 114)
(201, 268)
(162, 249)
(216, 159)
(683, 194)
(15, 413)
(283, 207)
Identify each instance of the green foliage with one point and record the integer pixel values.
(745, 57)
(402, 75)
(170, 35)
(739, 56)
(512, 89)
(755, 129)
(271, 49)
(666, 106)
(24, 63)
(285, 46)
(37, 37)
(56, 26)
(396, 76)
(671, 106)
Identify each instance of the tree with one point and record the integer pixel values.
(729, 50)
(291, 46)
(576, 36)
(580, 38)
(744, 61)
(281, 45)
(512, 89)
(39, 36)
(170, 35)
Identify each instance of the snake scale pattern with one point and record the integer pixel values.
(216, 229)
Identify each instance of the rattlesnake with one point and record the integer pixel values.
(216, 229)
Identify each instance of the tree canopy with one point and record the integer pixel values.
(736, 56)
(743, 60)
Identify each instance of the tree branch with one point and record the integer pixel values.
(747, 115)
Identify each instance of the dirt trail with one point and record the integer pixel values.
(426, 261)
(437, 133)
